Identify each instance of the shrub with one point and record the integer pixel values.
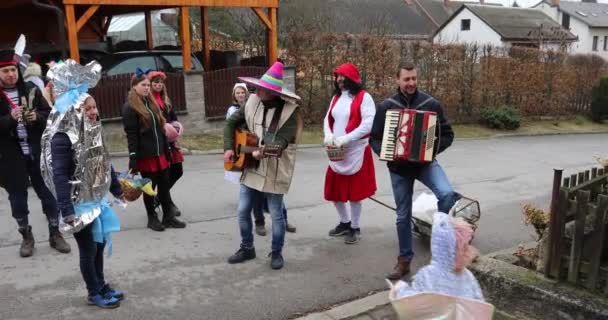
(503, 118)
(599, 101)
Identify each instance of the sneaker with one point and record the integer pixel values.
(276, 260)
(291, 228)
(353, 236)
(108, 293)
(242, 255)
(103, 302)
(260, 230)
(340, 230)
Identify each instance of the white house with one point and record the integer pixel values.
(503, 27)
(587, 20)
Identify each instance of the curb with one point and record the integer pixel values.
(189, 152)
(351, 309)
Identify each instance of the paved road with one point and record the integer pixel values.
(182, 274)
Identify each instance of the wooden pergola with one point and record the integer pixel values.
(266, 10)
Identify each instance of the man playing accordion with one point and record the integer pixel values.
(404, 172)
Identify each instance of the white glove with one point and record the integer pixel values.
(343, 140)
(329, 140)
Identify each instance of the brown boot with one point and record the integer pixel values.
(58, 243)
(27, 245)
(401, 269)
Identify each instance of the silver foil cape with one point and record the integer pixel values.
(91, 179)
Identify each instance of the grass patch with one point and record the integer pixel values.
(314, 134)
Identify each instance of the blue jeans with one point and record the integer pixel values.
(260, 206)
(432, 176)
(247, 200)
(91, 260)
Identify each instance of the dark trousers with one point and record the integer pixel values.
(161, 181)
(91, 260)
(176, 171)
(18, 198)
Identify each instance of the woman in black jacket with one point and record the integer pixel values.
(159, 92)
(149, 151)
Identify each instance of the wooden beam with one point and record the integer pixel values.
(181, 3)
(185, 28)
(205, 36)
(86, 16)
(149, 34)
(272, 50)
(97, 29)
(72, 32)
(262, 16)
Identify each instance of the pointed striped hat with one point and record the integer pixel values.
(272, 80)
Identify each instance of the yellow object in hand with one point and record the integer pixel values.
(147, 188)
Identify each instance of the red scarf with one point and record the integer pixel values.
(159, 99)
(355, 113)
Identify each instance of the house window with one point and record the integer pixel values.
(465, 24)
(595, 43)
(566, 21)
(605, 43)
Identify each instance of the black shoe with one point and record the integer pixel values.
(174, 223)
(242, 255)
(353, 236)
(276, 260)
(154, 224)
(340, 230)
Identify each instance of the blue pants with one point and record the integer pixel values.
(247, 200)
(260, 206)
(91, 260)
(18, 198)
(432, 176)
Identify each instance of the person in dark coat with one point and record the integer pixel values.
(23, 114)
(404, 173)
(149, 151)
(159, 92)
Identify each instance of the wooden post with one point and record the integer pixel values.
(576, 252)
(205, 35)
(272, 37)
(553, 228)
(149, 34)
(557, 242)
(85, 17)
(598, 242)
(185, 26)
(72, 32)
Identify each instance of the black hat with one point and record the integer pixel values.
(7, 58)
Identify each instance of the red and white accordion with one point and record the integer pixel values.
(409, 135)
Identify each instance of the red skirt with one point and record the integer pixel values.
(176, 156)
(356, 187)
(153, 164)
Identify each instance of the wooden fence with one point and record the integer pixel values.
(111, 93)
(218, 88)
(577, 229)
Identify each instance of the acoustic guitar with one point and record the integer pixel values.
(245, 143)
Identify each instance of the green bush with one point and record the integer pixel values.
(503, 118)
(599, 101)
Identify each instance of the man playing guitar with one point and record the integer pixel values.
(273, 116)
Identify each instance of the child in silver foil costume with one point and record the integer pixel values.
(76, 167)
